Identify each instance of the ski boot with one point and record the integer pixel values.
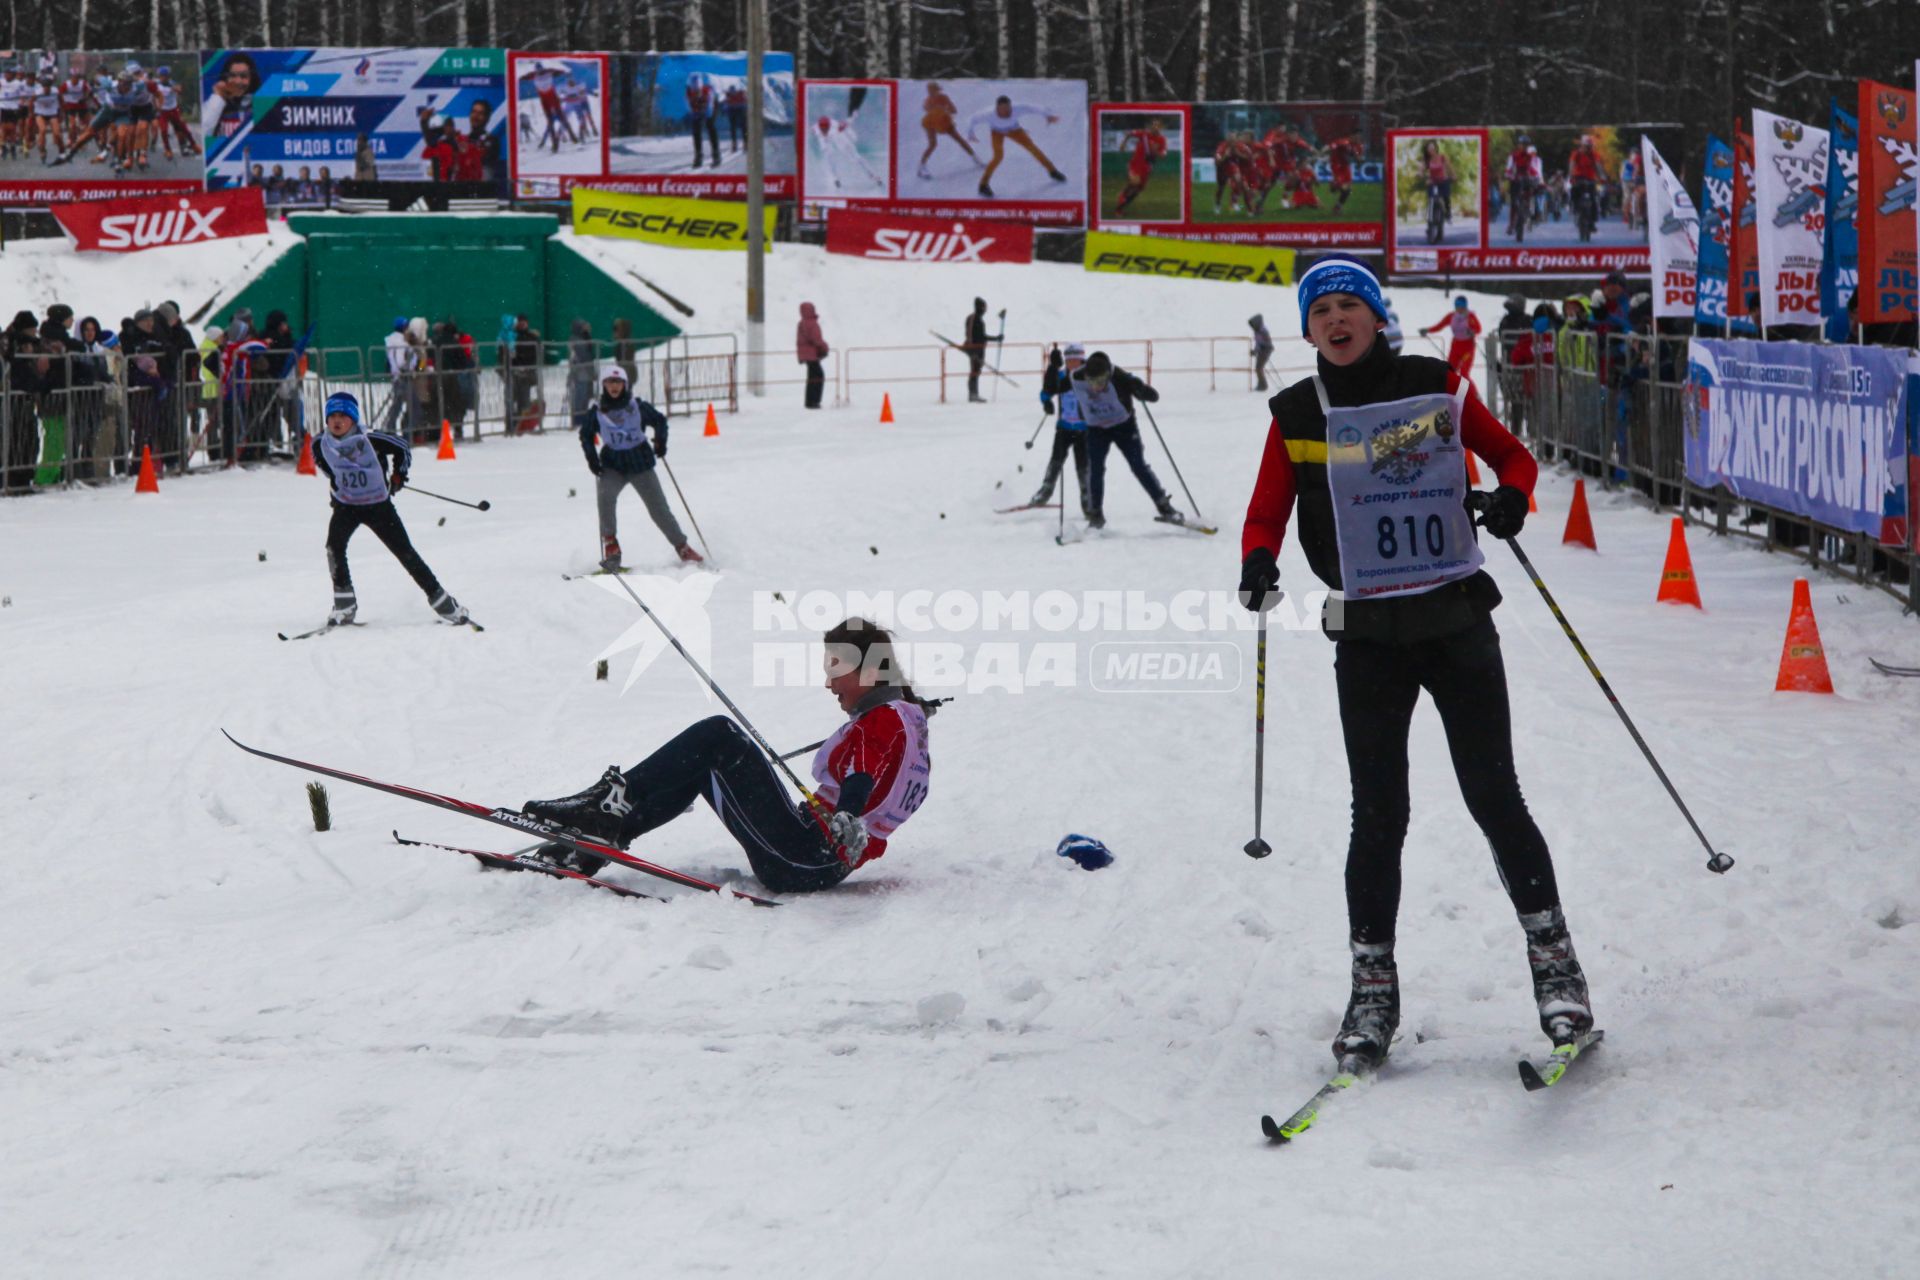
(686, 553)
(1168, 512)
(449, 609)
(1373, 1010)
(610, 554)
(344, 609)
(598, 813)
(1559, 987)
(1096, 519)
(1042, 495)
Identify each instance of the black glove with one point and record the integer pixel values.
(1503, 512)
(594, 465)
(1148, 394)
(1259, 580)
(396, 483)
(659, 448)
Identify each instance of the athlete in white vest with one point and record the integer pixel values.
(619, 420)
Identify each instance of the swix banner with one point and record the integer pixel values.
(1790, 199)
(1675, 238)
(895, 239)
(1889, 168)
(124, 226)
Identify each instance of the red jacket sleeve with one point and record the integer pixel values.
(877, 747)
(1481, 432)
(1273, 492)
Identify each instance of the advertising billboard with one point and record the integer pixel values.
(558, 107)
(98, 125)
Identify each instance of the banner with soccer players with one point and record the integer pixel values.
(1310, 175)
(557, 103)
(97, 125)
(300, 121)
(994, 149)
(1889, 171)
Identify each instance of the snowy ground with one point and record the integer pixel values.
(235, 1047)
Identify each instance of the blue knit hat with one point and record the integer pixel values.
(1340, 273)
(342, 402)
(1085, 850)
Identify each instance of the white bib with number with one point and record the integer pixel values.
(1398, 473)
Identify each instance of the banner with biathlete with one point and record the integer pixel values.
(1819, 431)
(672, 124)
(97, 125)
(1513, 200)
(298, 122)
(1310, 175)
(984, 149)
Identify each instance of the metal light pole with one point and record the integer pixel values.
(756, 198)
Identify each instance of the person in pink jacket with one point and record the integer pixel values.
(810, 347)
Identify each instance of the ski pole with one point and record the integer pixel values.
(482, 505)
(779, 760)
(1256, 847)
(1170, 462)
(690, 516)
(1036, 431)
(1717, 862)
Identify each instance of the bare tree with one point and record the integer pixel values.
(1000, 41)
(801, 28)
(1240, 85)
(1097, 41)
(1285, 88)
(1202, 51)
(266, 22)
(1042, 9)
(905, 66)
(696, 29)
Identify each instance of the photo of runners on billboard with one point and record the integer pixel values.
(88, 125)
(1303, 165)
(1140, 164)
(294, 122)
(559, 116)
(848, 154)
(1436, 188)
(1572, 186)
(1012, 142)
(679, 124)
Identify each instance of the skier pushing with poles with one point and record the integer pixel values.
(870, 777)
(1104, 396)
(355, 462)
(1371, 451)
(1070, 430)
(620, 419)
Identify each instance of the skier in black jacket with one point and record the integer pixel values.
(1105, 395)
(620, 420)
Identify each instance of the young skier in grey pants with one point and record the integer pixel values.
(625, 457)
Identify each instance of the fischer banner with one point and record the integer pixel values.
(1819, 431)
(890, 238)
(1187, 259)
(669, 220)
(124, 226)
(1790, 196)
(1889, 169)
(1675, 237)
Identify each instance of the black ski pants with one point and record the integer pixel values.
(1125, 438)
(385, 523)
(715, 760)
(1378, 685)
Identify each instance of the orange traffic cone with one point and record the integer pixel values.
(149, 481)
(886, 407)
(305, 465)
(1579, 520)
(1676, 577)
(1473, 470)
(1803, 663)
(1533, 508)
(446, 453)
(713, 423)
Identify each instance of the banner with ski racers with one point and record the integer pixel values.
(558, 106)
(97, 125)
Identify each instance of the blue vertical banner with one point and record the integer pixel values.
(1817, 431)
(1716, 243)
(1840, 269)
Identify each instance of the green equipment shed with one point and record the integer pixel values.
(351, 274)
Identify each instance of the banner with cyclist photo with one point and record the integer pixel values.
(558, 106)
(1436, 197)
(1310, 175)
(677, 125)
(297, 122)
(97, 125)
